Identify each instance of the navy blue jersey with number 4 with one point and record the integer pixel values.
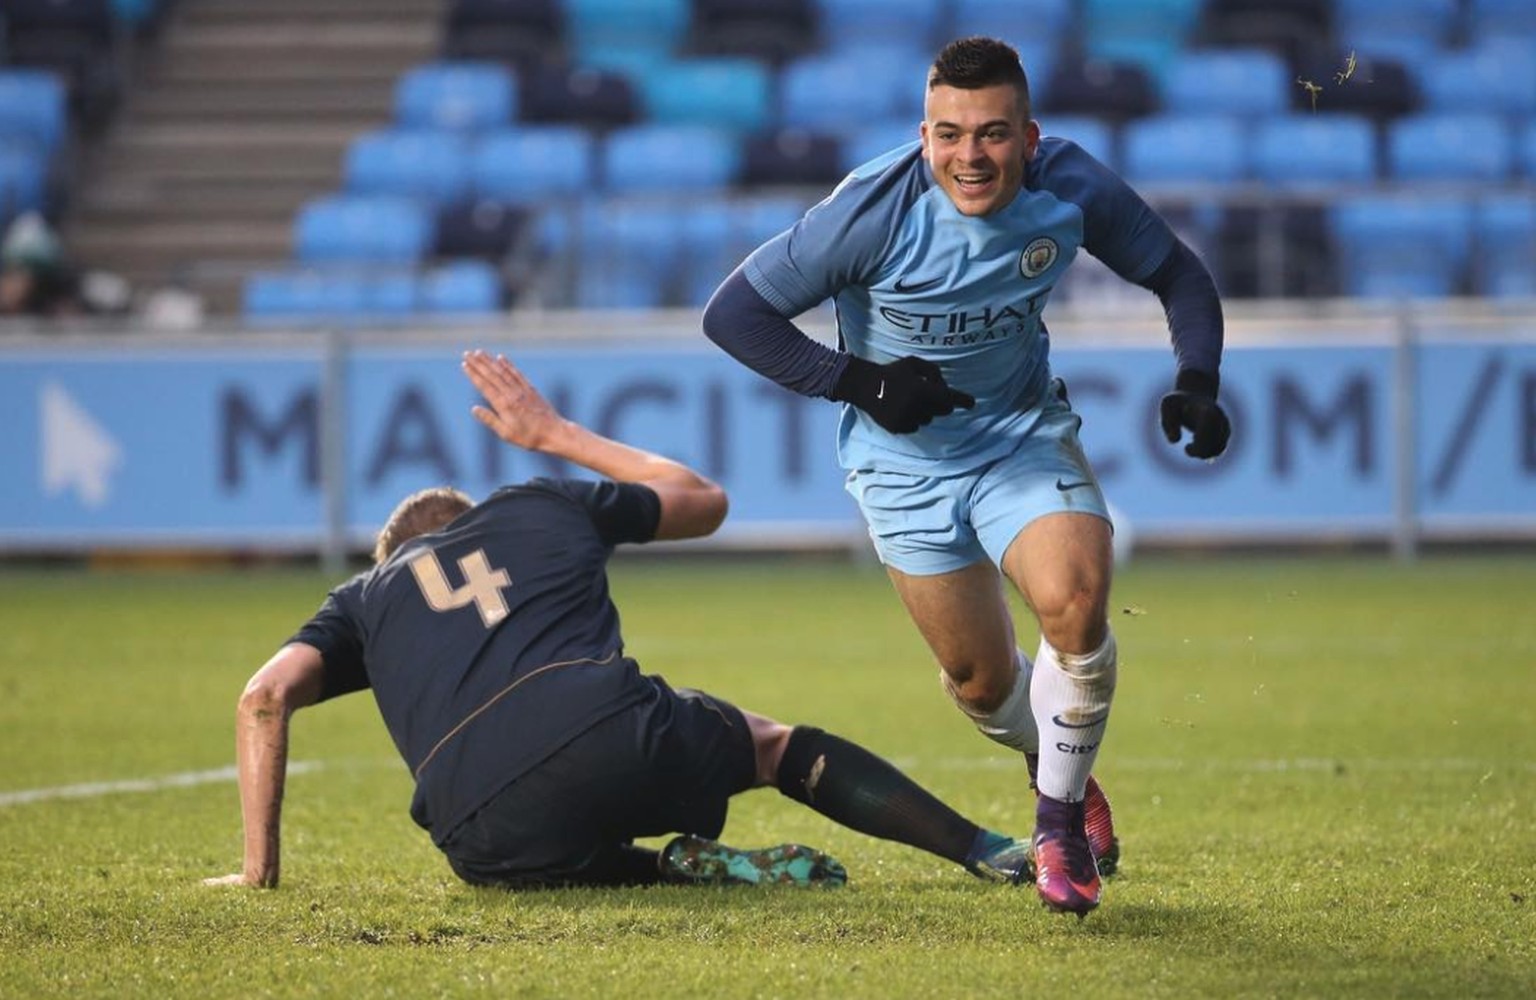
(491, 643)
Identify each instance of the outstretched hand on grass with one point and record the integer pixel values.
(516, 412)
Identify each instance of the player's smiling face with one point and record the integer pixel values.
(977, 142)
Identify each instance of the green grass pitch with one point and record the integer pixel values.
(1323, 770)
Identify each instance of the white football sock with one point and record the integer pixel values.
(1012, 724)
(1071, 695)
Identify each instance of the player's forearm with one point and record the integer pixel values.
(748, 328)
(261, 754)
(1193, 309)
(618, 461)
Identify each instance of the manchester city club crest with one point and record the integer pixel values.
(1038, 257)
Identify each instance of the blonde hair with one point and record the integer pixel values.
(422, 512)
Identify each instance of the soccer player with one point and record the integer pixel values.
(539, 750)
(961, 448)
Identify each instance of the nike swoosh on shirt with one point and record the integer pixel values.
(917, 286)
(1063, 485)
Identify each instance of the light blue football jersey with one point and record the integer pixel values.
(908, 274)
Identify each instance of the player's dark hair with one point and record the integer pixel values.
(977, 62)
(421, 512)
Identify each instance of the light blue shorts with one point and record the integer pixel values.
(922, 525)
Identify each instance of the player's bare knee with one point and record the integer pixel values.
(978, 692)
(769, 738)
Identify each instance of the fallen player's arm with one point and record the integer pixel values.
(289, 681)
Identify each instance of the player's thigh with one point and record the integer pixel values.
(1048, 473)
(963, 616)
(1062, 564)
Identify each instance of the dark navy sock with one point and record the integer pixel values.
(848, 784)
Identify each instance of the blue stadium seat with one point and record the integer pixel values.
(659, 158)
(719, 233)
(1505, 233)
(33, 105)
(853, 86)
(23, 179)
(1228, 81)
(1402, 246)
(1307, 150)
(889, 22)
(530, 163)
(416, 163)
(464, 96)
(865, 142)
(342, 228)
(631, 253)
(1526, 151)
(1096, 136)
(1493, 19)
(461, 288)
(1380, 28)
(1148, 33)
(1047, 20)
(1184, 149)
(1450, 147)
(727, 93)
(1497, 77)
(652, 26)
(341, 297)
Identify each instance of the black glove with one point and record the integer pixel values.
(901, 396)
(1192, 404)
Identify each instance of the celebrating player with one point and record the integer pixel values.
(961, 448)
(539, 750)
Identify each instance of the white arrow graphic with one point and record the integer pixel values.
(78, 453)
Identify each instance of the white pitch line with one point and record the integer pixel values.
(95, 789)
(1309, 765)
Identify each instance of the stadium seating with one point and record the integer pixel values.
(456, 95)
(733, 93)
(578, 95)
(772, 31)
(1505, 240)
(1463, 147)
(520, 32)
(1104, 88)
(791, 156)
(1093, 134)
(1184, 149)
(567, 127)
(853, 86)
(1228, 81)
(1402, 246)
(416, 163)
(662, 158)
(881, 22)
(1314, 151)
(531, 163)
(1495, 77)
(484, 228)
(864, 143)
(362, 229)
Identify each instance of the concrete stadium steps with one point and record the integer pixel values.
(238, 113)
(243, 99)
(320, 51)
(222, 12)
